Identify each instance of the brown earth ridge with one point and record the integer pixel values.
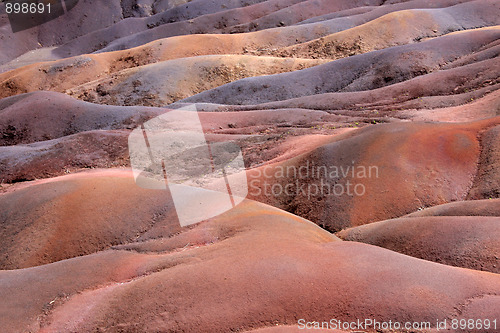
(409, 88)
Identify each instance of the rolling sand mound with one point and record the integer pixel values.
(399, 28)
(84, 19)
(164, 274)
(81, 20)
(183, 10)
(79, 214)
(448, 153)
(489, 207)
(423, 164)
(47, 115)
(67, 73)
(477, 108)
(92, 149)
(378, 116)
(169, 23)
(361, 72)
(372, 12)
(175, 79)
(169, 81)
(187, 19)
(109, 148)
(104, 39)
(443, 95)
(282, 36)
(303, 11)
(470, 242)
(487, 184)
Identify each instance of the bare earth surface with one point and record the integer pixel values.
(396, 103)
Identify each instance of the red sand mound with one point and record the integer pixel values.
(292, 269)
(470, 242)
(171, 48)
(397, 168)
(485, 306)
(284, 35)
(263, 135)
(47, 115)
(487, 184)
(93, 149)
(490, 207)
(166, 24)
(169, 81)
(303, 11)
(447, 95)
(261, 285)
(361, 72)
(477, 108)
(82, 19)
(399, 28)
(79, 214)
(401, 115)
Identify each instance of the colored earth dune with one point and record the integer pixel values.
(370, 134)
